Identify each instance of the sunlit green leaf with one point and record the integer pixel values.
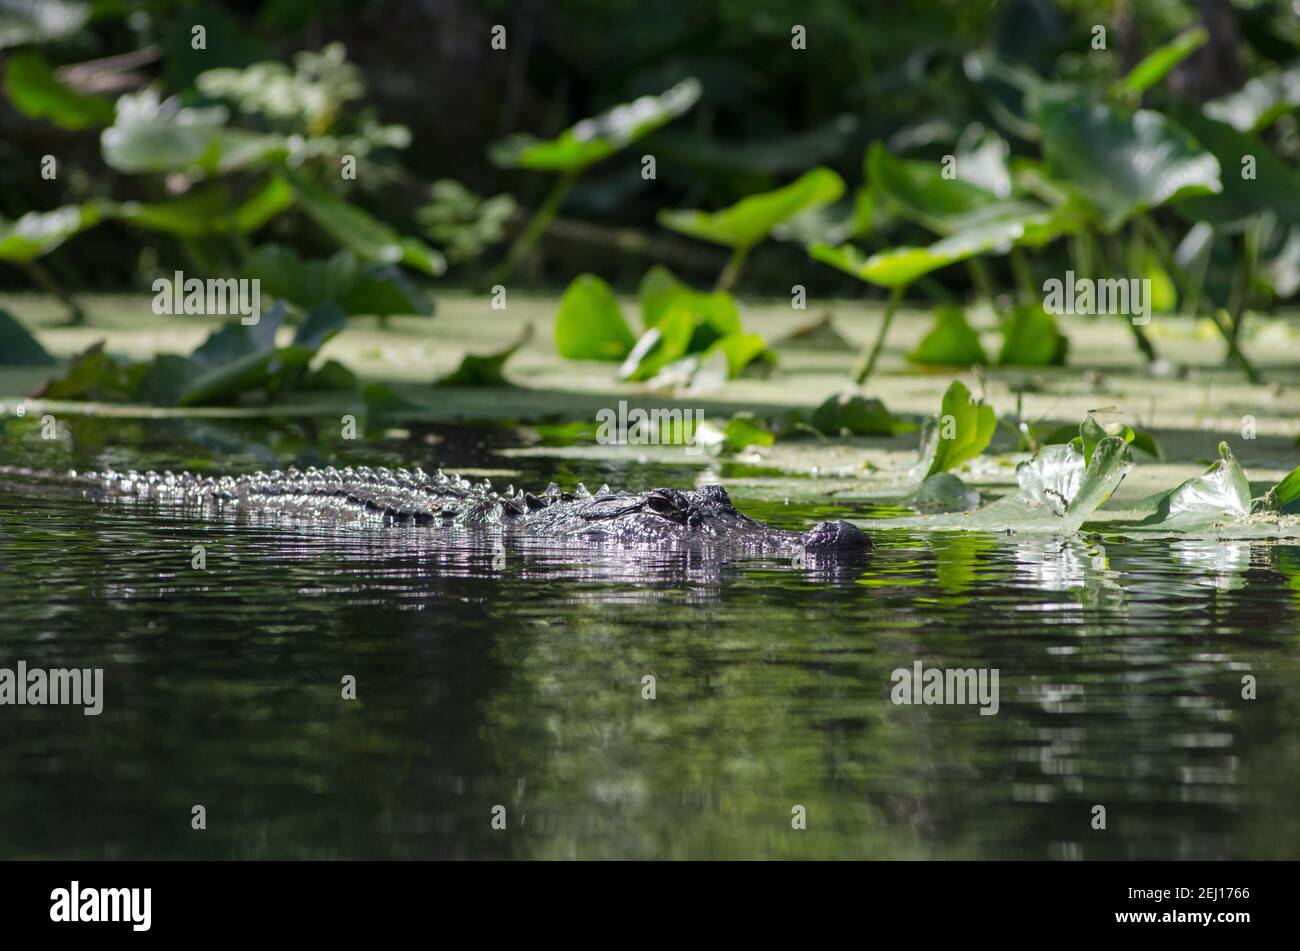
(39, 232)
(1160, 62)
(950, 342)
(962, 430)
(1030, 338)
(589, 325)
(38, 94)
(752, 219)
(150, 136)
(597, 138)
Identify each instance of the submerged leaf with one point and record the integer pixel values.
(943, 492)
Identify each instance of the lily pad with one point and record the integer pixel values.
(374, 289)
(486, 370)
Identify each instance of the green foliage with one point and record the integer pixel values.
(1030, 338)
(17, 346)
(463, 223)
(1122, 162)
(38, 94)
(150, 136)
(1221, 491)
(950, 342)
(39, 232)
(1160, 62)
(594, 139)
(853, 414)
(590, 325)
(368, 237)
(752, 219)
(357, 288)
(486, 370)
(962, 430)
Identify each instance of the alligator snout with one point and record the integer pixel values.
(836, 536)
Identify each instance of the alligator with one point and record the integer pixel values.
(382, 497)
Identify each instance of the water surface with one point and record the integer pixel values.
(520, 684)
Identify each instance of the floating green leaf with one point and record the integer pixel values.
(1061, 480)
(943, 492)
(486, 370)
(752, 219)
(597, 138)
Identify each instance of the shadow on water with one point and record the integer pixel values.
(522, 679)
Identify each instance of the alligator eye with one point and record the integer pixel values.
(660, 504)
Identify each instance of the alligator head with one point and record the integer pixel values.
(704, 515)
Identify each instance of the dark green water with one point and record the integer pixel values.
(1120, 673)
